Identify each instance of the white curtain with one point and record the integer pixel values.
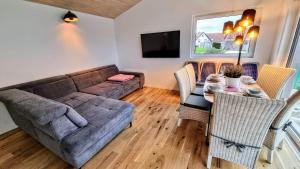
(290, 16)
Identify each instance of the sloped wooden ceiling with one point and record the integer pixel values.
(105, 8)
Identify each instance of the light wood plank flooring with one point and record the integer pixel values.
(154, 142)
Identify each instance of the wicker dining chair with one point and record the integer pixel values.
(195, 90)
(224, 65)
(250, 69)
(272, 79)
(238, 127)
(206, 69)
(276, 134)
(192, 107)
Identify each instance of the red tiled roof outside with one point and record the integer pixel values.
(216, 37)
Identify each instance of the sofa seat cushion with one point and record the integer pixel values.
(129, 85)
(75, 99)
(106, 89)
(103, 115)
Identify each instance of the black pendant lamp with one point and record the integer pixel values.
(238, 28)
(253, 32)
(248, 17)
(239, 40)
(228, 27)
(70, 17)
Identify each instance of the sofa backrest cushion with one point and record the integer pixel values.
(37, 109)
(88, 79)
(52, 88)
(55, 89)
(91, 77)
(53, 118)
(109, 71)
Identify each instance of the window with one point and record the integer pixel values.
(294, 62)
(208, 38)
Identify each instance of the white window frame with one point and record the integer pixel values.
(195, 18)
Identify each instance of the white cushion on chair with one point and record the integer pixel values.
(191, 73)
(184, 84)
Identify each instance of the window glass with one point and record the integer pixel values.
(208, 38)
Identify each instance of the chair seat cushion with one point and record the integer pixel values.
(198, 91)
(197, 102)
(199, 83)
(102, 115)
(106, 89)
(75, 99)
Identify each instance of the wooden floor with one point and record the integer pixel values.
(154, 142)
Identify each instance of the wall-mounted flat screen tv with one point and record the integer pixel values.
(161, 45)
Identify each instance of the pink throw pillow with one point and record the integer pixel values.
(121, 77)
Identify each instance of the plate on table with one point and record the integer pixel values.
(212, 88)
(247, 80)
(256, 92)
(214, 78)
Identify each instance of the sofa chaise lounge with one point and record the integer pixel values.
(73, 115)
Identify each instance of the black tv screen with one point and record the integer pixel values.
(161, 45)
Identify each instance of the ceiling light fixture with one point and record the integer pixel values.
(70, 17)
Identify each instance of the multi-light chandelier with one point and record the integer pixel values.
(242, 29)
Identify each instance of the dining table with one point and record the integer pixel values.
(220, 81)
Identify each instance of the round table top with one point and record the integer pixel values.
(223, 88)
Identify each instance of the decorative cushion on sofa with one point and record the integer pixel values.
(76, 118)
(121, 77)
(106, 89)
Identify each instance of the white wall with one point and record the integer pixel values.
(157, 15)
(35, 43)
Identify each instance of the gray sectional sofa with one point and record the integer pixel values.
(73, 115)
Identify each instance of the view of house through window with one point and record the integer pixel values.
(209, 38)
